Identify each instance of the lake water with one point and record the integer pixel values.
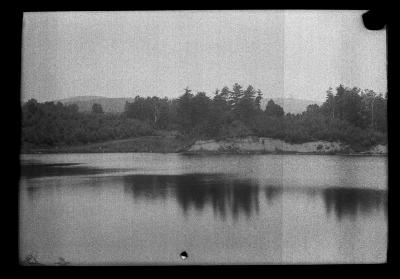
(132, 208)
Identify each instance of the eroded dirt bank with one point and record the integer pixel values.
(268, 145)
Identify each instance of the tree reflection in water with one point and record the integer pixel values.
(271, 192)
(349, 202)
(224, 195)
(34, 169)
(234, 197)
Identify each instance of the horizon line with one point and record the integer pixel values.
(144, 96)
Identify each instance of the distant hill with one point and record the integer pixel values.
(85, 103)
(290, 104)
(80, 99)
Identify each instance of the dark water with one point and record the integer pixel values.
(146, 208)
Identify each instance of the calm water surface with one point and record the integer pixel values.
(134, 208)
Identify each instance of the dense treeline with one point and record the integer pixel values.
(350, 115)
(49, 124)
(229, 113)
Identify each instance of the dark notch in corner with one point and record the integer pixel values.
(374, 19)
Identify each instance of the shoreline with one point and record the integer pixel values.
(282, 153)
(47, 152)
(262, 145)
(237, 146)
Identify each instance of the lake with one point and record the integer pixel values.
(144, 208)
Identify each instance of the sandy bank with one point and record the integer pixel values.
(268, 145)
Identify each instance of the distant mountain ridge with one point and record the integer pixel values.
(80, 99)
(117, 105)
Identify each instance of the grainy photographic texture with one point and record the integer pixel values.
(202, 137)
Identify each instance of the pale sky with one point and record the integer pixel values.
(295, 54)
(328, 48)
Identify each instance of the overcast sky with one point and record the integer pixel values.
(297, 54)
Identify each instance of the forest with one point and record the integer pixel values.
(348, 115)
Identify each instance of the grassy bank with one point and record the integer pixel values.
(153, 144)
